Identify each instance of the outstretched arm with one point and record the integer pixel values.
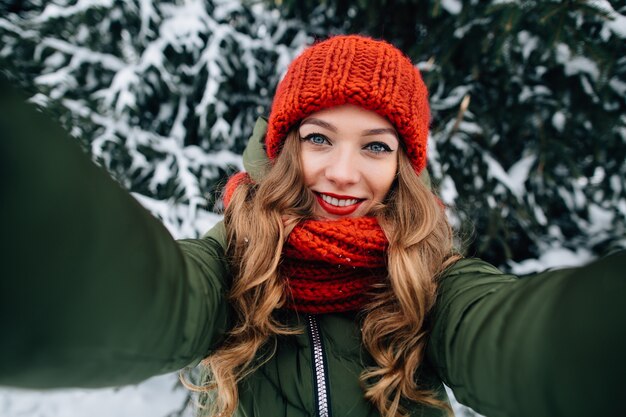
(94, 290)
(549, 345)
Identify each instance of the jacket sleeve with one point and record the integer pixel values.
(552, 344)
(94, 291)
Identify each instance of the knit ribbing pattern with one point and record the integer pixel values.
(353, 70)
(330, 265)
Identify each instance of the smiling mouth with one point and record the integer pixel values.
(338, 202)
(338, 206)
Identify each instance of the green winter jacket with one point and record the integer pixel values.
(95, 292)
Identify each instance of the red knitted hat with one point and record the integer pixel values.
(357, 70)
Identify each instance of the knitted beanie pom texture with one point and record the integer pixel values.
(353, 69)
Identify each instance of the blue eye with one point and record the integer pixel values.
(378, 147)
(316, 139)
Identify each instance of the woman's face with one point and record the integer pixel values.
(349, 159)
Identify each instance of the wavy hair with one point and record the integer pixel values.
(393, 330)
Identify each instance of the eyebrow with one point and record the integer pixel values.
(368, 132)
(380, 131)
(318, 122)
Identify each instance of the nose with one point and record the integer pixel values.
(343, 169)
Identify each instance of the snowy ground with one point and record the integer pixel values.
(157, 397)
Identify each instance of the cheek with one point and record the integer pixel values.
(382, 188)
(309, 168)
(384, 176)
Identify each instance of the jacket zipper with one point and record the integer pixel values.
(320, 370)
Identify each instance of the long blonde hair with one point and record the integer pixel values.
(258, 220)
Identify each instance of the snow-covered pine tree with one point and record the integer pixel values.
(528, 99)
(158, 89)
(542, 140)
(163, 94)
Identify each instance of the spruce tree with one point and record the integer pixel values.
(528, 99)
(163, 94)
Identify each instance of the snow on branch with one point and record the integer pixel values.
(64, 11)
(163, 93)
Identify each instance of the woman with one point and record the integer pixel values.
(335, 289)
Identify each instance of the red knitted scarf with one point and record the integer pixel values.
(329, 265)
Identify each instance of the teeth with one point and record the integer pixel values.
(339, 203)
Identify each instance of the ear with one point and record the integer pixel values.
(255, 160)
